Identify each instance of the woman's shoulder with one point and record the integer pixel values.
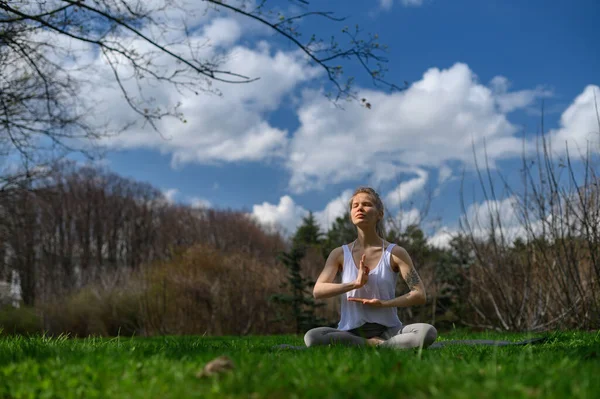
(342, 247)
(398, 255)
(337, 256)
(399, 252)
(395, 249)
(336, 252)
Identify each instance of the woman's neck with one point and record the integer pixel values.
(368, 238)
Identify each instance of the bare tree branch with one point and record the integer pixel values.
(28, 30)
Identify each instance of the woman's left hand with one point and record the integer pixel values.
(371, 302)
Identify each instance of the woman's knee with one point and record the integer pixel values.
(315, 336)
(430, 335)
(426, 332)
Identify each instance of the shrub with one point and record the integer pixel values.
(95, 311)
(21, 321)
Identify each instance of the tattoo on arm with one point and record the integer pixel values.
(412, 278)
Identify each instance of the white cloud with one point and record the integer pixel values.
(406, 190)
(197, 202)
(412, 3)
(387, 4)
(505, 218)
(334, 209)
(170, 194)
(190, 15)
(226, 128)
(485, 214)
(405, 218)
(501, 218)
(510, 101)
(442, 237)
(579, 126)
(436, 120)
(481, 220)
(287, 214)
(444, 174)
(222, 32)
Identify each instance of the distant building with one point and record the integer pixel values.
(10, 292)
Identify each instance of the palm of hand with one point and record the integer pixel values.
(364, 301)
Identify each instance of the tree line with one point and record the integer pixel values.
(82, 227)
(101, 254)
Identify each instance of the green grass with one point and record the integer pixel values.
(567, 366)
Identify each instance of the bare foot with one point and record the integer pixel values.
(374, 341)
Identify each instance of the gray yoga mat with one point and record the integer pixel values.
(487, 342)
(441, 344)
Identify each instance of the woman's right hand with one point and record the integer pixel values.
(363, 274)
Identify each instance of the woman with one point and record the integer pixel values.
(369, 306)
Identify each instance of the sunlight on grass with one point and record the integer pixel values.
(567, 365)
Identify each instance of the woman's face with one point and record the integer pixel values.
(364, 211)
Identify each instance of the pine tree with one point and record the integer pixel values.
(341, 232)
(299, 289)
(308, 233)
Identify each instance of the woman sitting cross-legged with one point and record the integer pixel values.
(369, 307)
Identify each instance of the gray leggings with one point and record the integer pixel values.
(411, 336)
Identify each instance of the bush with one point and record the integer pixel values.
(200, 291)
(19, 321)
(205, 291)
(95, 311)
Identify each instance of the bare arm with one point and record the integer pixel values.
(417, 295)
(326, 288)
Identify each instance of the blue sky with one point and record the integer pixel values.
(478, 71)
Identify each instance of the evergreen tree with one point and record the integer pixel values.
(308, 233)
(299, 293)
(299, 289)
(341, 232)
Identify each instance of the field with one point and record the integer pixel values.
(566, 366)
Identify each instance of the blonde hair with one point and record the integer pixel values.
(376, 201)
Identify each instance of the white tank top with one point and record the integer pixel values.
(381, 285)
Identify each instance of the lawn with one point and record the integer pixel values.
(566, 366)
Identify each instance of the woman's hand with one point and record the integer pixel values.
(371, 302)
(363, 274)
